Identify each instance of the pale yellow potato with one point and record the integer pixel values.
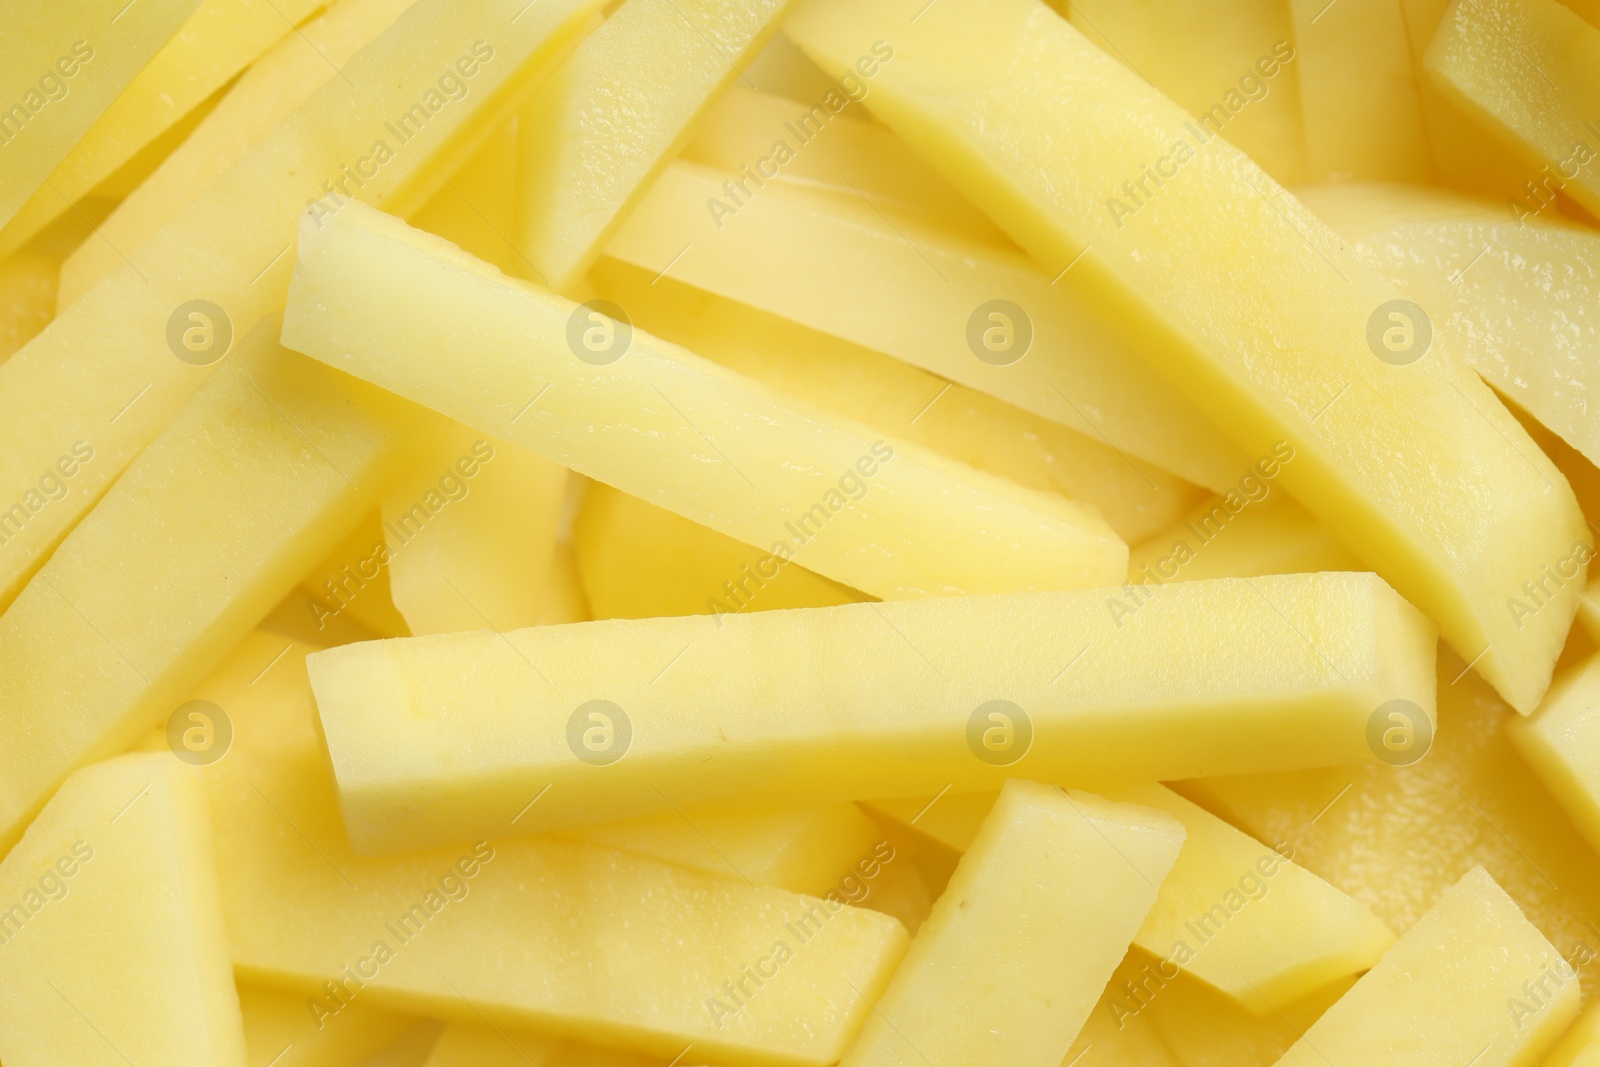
(1358, 94)
(1239, 537)
(900, 399)
(112, 949)
(470, 534)
(1204, 1028)
(1580, 1047)
(263, 97)
(638, 561)
(444, 739)
(218, 40)
(1562, 742)
(464, 1044)
(27, 298)
(66, 61)
(103, 372)
(1472, 979)
(615, 113)
(1034, 921)
(476, 209)
(1530, 71)
(903, 285)
(378, 299)
(1232, 64)
(352, 581)
(547, 935)
(1258, 313)
(280, 1031)
(1297, 933)
(259, 476)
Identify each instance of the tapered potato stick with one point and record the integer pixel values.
(1260, 315)
(445, 738)
(377, 299)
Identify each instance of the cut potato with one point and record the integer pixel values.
(1240, 537)
(279, 1031)
(1254, 311)
(542, 934)
(1520, 296)
(1230, 63)
(27, 298)
(1581, 1045)
(1017, 950)
(1530, 71)
(466, 1045)
(616, 113)
(112, 948)
(1204, 1028)
(638, 561)
(353, 582)
(903, 286)
(470, 536)
(66, 61)
(476, 209)
(262, 99)
(378, 299)
(900, 399)
(1297, 935)
(218, 40)
(260, 475)
(1363, 117)
(1562, 742)
(106, 372)
(1473, 979)
(443, 739)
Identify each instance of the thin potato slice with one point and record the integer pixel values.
(443, 739)
(112, 949)
(255, 480)
(380, 300)
(106, 372)
(1262, 317)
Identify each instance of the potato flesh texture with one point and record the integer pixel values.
(1530, 71)
(482, 560)
(1207, 675)
(1522, 298)
(1239, 291)
(257, 478)
(218, 40)
(553, 936)
(1562, 743)
(638, 561)
(616, 113)
(1358, 95)
(1196, 52)
(131, 964)
(1300, 935)
(1034, 921)
(337, 586)
(40, 32)
(263, 98)
(279, 1031)
(1441, 995)
(1396, 838)
(676, 429)
(848, 270)
(963, 424)
(232, 246)
(744, 126)
(804, 849)
(1272, 536)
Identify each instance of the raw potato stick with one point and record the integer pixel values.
(1252, 308)
(617, 111)
(1034, 921)
(66, 61)
(379, 300)
(116, 366)
(251, 484)
(444, 739)
(280, 1032)
(112, 949)
(220, 38)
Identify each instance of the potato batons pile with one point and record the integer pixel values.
(793, 533)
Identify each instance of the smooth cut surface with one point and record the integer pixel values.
(378, 299)
(446, 738)
(1562, 742)
(1250, 306)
